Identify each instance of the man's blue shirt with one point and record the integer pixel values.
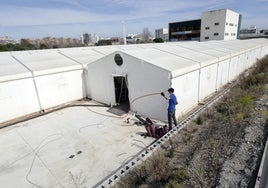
(172, 103)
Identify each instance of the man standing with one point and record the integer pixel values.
(172, 102)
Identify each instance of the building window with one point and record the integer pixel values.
(226, 23)
(206, 38)
(207, 28)
(226, 34)
(216, 34)
(233, 34)
(231, 24)
(217, 23)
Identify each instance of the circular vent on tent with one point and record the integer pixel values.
(118, 59)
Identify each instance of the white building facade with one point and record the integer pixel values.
(220, 25)
(162, 33)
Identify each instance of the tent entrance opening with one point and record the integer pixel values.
(121, 93)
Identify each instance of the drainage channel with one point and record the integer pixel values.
(114, 177)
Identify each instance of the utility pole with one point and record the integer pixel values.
(124, 32)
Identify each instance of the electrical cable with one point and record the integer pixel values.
(140, 142)
(131, 103)
(36, 151)
(111, 116)
(97, 124)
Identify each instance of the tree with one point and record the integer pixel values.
(43, 46)
(146, 35)
(158, 40)
(26, 44)
(3, 48)
(104, 42)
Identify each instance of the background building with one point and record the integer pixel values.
(253, 32)
(162, 33)
(186, 30)
(214, 25)
(220, 25)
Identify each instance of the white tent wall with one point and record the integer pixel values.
(265, 49)
(254, 55)
(17, 90)
(17, 98)
(207, 81)
(60, 88)
(241, 63)
(248, 58)
(144, 80)
(83, 56)
(208, 72)
(234, 68)
(186, 89)
(222, 73)
(58, 78)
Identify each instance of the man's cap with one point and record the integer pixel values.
(171, 90)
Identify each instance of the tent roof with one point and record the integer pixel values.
(202, 58)
(81, 55)
(176, 57)
(42, 62)
(175, 64)
(10, 69)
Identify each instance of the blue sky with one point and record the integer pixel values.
(71, 18)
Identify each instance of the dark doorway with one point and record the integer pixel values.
(121, 93)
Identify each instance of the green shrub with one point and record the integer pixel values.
(179, 175)
(240, 116)
(173, 184)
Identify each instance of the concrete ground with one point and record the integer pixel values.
(72, 147)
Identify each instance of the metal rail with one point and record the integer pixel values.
(262, 180)
(115, 176)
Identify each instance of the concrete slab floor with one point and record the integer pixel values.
(72, 147)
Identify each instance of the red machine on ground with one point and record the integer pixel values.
(153, 130)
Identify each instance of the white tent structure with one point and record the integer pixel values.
(194, 69)
(36, 81)
(33, 81)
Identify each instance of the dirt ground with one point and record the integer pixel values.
(218, 153)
